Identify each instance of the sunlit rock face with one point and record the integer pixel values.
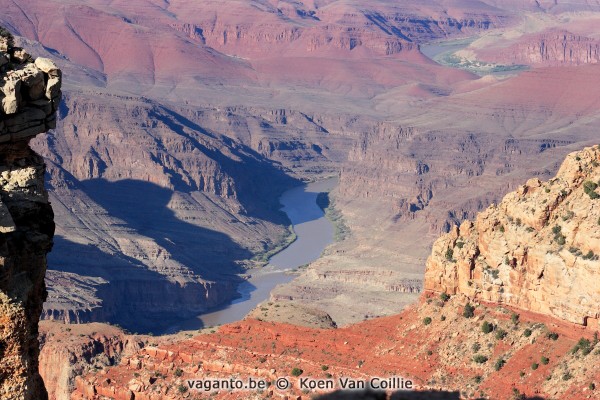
(29, 93)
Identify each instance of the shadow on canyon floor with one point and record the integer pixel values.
(136, 297)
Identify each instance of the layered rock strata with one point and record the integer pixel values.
(536, 250)
(30, 93)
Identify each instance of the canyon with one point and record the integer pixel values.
(182, 123)
(535, 345)
(214, 119)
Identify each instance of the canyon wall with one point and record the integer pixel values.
(552, 47)
(30, 93)
(536, 250)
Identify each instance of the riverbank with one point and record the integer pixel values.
(312, 232)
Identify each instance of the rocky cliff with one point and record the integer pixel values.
(30, 93)
(552, 47)
(536, 250)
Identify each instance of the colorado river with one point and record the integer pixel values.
(313, 231)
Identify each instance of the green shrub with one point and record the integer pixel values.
(324, 367)
(478, 379)
(468, 311)
(443, 318)
(182, 388)
(296, 371)
(480, 359)
(450, 254)
(589, 188)
(499, 364)
(426, 320)
(444, 297)
(544, 360)
(566, 376)
(501, 334)
(486, 327)
(527, 332)
(534, 366)
(584, 345)
(475, 347)
(515, 318)
(552, 335)
(590, 256)
(178, 372)
(592, 386)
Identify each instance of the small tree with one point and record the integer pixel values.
(468, 311)
(480, 359)
(499, 364)
(486, 327)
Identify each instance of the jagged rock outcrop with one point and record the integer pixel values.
(30, 93)
(537, 250)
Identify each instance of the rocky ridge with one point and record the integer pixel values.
(536, 250)
(30, 94)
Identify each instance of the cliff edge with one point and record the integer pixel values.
(29, 96)
(537, 250)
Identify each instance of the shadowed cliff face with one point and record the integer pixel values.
(29, 93)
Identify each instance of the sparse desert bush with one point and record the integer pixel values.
(515, 318)
(589, 188)
(584, 345)
(480, 359)
(501, 334)
(426, 320)
(296, 371)
(544, 360)
(468, 311)
(527, 332)
(534, 366)
(486, 327)
(499, 364)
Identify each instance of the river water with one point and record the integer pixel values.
(313, 231)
